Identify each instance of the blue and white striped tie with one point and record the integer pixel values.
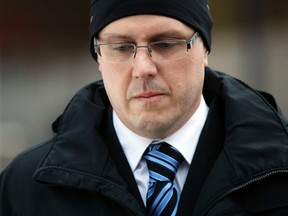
(163, 160)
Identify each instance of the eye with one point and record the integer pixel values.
(165, 45)
(122, 48)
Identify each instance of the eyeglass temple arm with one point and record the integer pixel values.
(96, 47)
(192, 40)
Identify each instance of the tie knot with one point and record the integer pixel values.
(163, 161)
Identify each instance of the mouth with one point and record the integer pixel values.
(149, 96)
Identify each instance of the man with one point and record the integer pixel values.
(160, 109)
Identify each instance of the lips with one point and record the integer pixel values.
(148, 95)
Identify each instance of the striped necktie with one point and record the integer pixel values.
(163, 160)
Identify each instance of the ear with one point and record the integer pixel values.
(99, 66)
(206, 53)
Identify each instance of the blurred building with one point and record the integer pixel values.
(44, 59)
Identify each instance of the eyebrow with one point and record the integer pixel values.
(163, 34)
(114, 35)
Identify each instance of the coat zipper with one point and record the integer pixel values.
(227, 193)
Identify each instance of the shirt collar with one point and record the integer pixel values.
(184, 140)
(132, 144)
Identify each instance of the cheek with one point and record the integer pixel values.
(187, 79)
(116, 84)
(185, 72)
(112, 74)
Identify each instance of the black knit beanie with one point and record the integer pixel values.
(195, 13)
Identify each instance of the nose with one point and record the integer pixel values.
(143, 65)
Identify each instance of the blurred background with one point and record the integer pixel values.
(45, 59)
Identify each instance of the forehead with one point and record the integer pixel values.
(145, 25)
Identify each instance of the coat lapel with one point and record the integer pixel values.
(209, 145)
(118, 155)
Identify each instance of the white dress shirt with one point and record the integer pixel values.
(184, 140)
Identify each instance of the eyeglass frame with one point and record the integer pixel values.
(189, 43)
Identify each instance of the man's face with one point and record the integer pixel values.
(153, 99)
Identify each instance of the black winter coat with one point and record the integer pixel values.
(240, 165)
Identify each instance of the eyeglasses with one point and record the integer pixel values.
(158, 50)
